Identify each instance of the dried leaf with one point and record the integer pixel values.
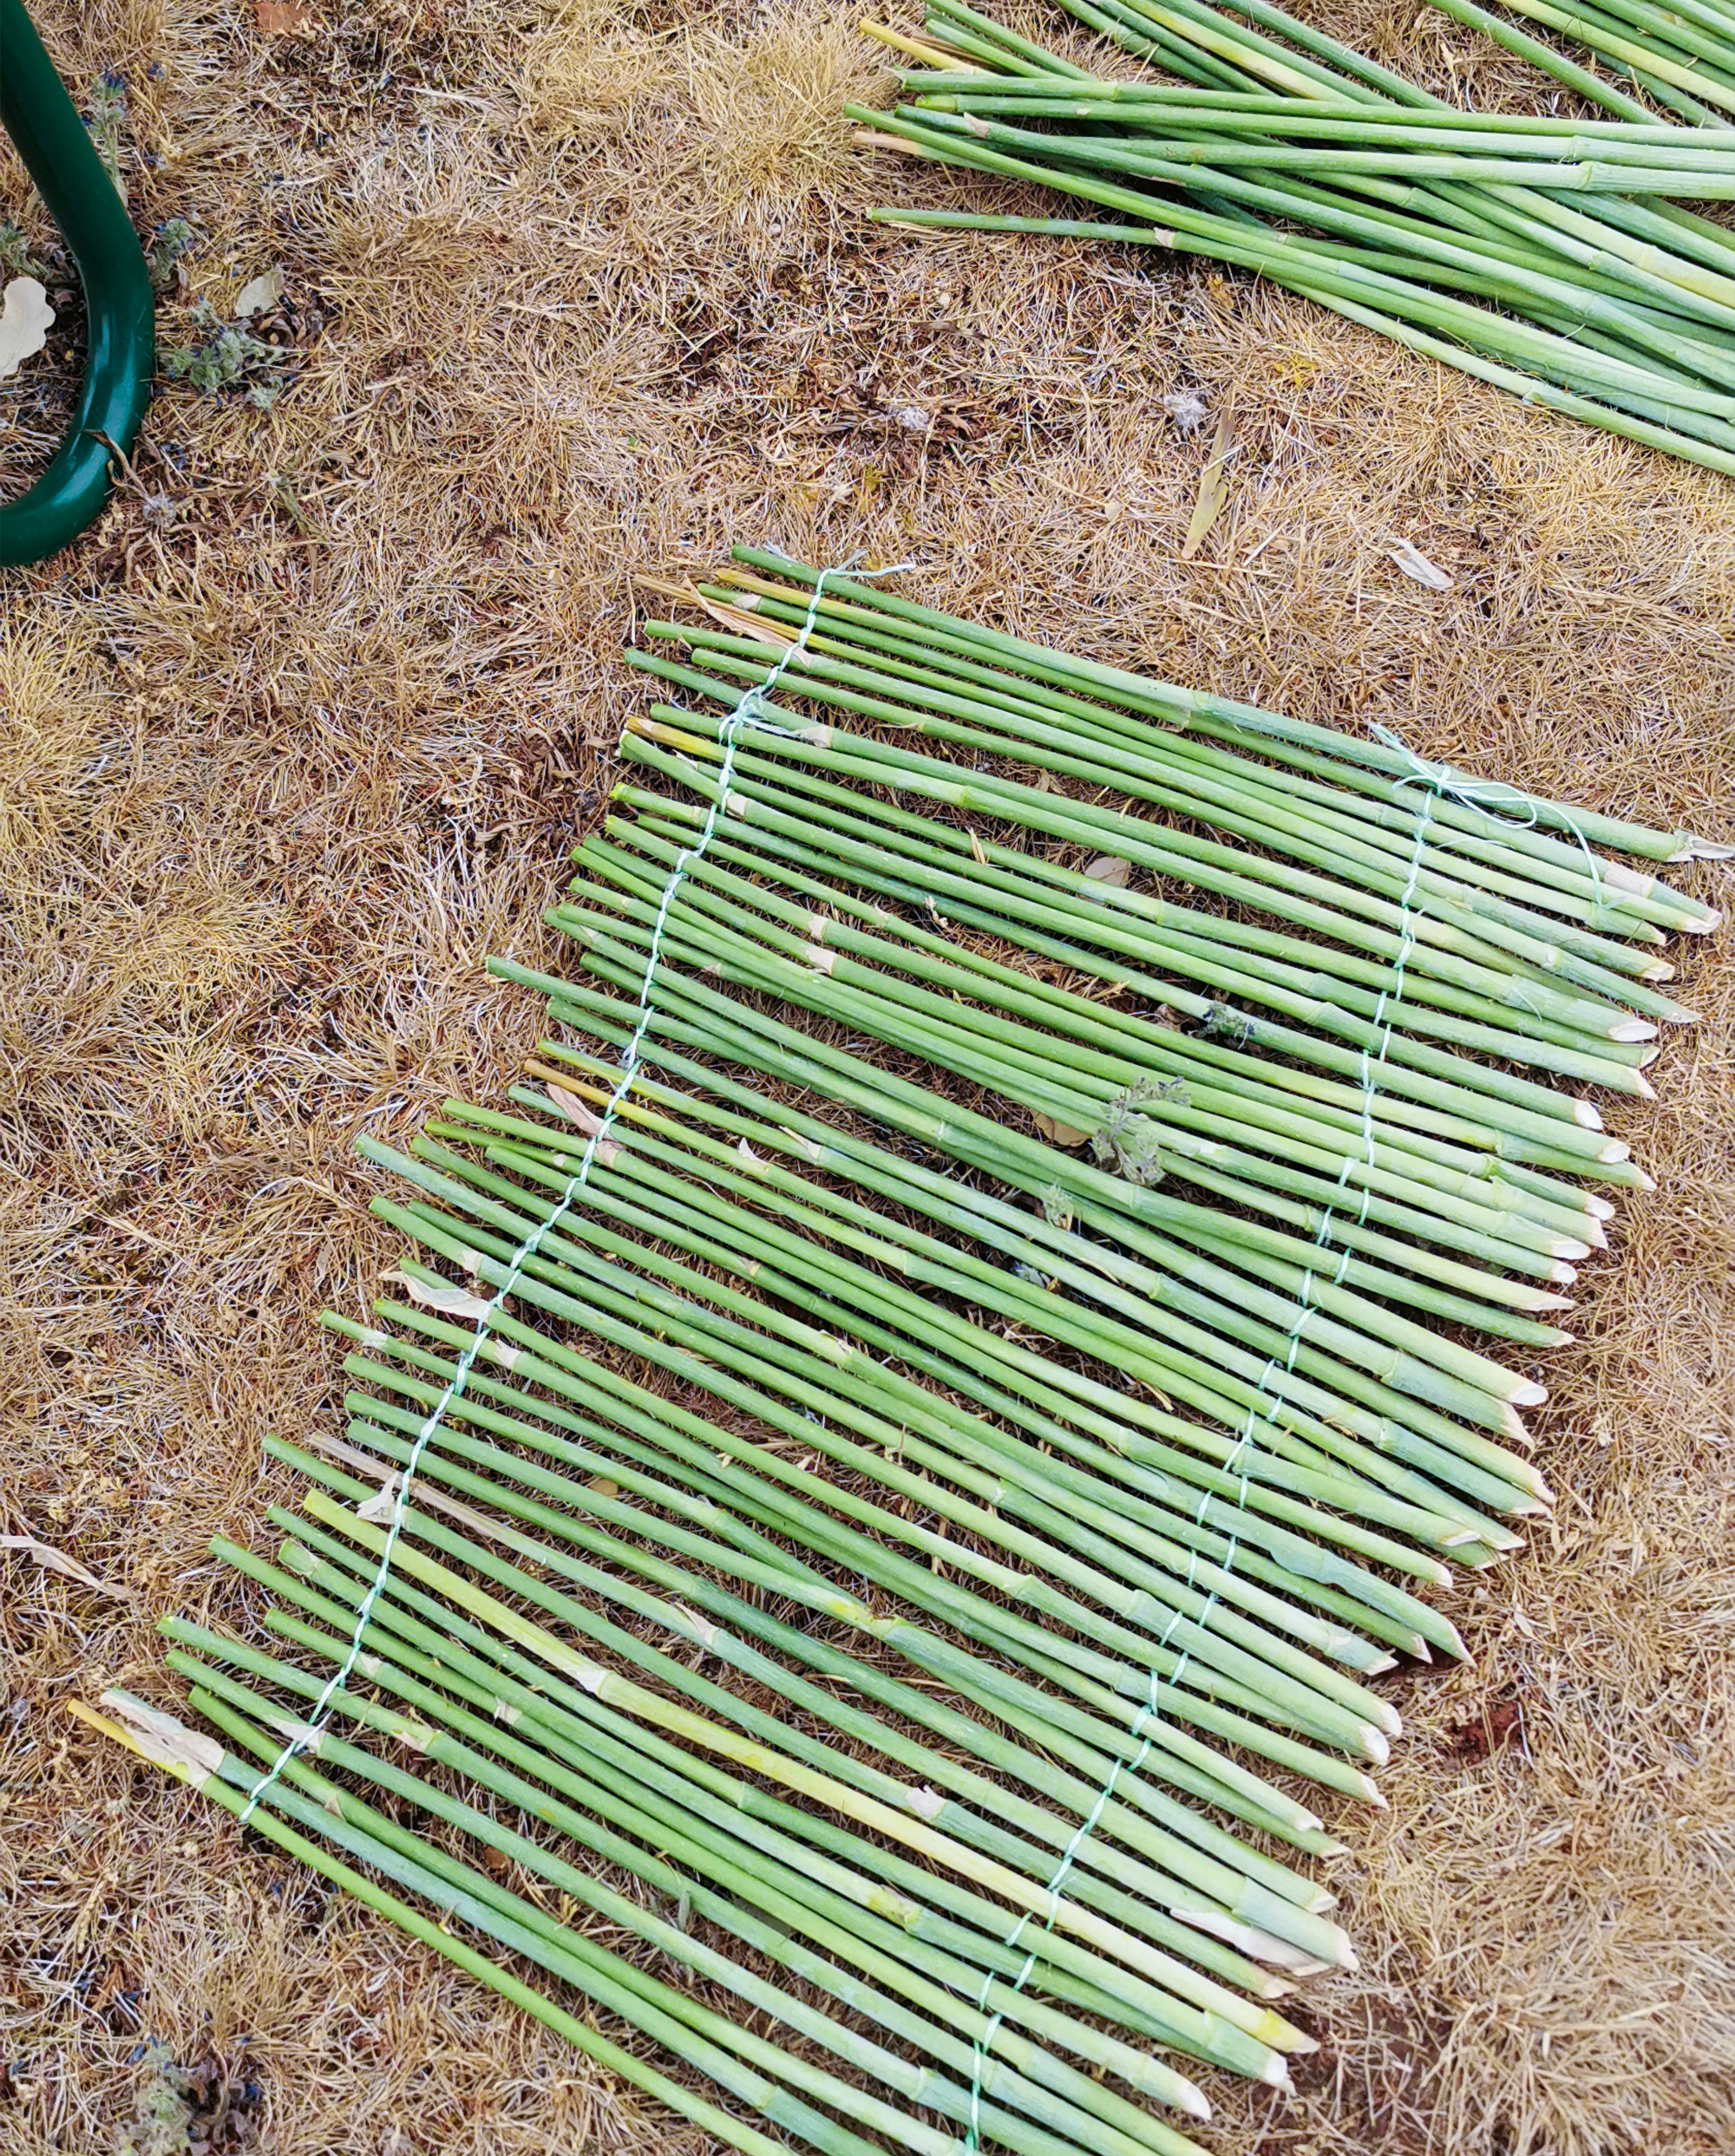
(1187, 408)
(163, 1741)
(978, 852)
(1214, 491)
(378, 1509)
(1417, 566)
(1489, 1731)
(281, 18)
(58, 1561)
(25, 320)
(1057, 1133)
(1110, 868)
(449, 1301)
(259, 293)
(587, 1120)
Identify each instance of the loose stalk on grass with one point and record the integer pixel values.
(1614, 315)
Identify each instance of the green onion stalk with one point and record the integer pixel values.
(1191, 1884)
(1003, 1373)
(192, 1757)
(1104, 1430)
(1403, 1355)
(1201, 1333)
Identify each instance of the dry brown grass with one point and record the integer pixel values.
(303, 731)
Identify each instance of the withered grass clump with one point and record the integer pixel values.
(304, 730)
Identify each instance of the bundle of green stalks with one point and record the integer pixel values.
(899, 1520)
(1683, 57)
(1276, 149)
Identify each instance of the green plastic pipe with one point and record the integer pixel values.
(36, 111)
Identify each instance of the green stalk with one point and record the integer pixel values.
(1218, 1899)
(1099, 1655)
(1052, 1255)
(1053, 1421)
(1281, 970)
(1480, 959)
(1010, 895)
(1344, 1332)
(1216, 1127)
(1238, 1647)
(1473, 1463)
(1351, 759)
(1513, 858)
(936, 1963)
(1172, 1836)
(1182, 1498)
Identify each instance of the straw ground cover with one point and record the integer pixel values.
(303, 732)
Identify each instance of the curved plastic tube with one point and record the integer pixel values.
(36, 111)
